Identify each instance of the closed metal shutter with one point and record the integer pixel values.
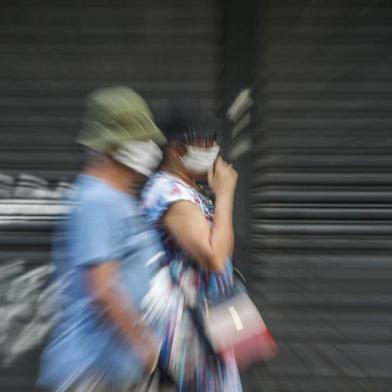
(321, 194)
(52, 53)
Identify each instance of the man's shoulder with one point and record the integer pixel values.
(94, 193)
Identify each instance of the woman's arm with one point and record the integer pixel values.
(209, 245)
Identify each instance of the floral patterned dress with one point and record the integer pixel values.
(184, 354)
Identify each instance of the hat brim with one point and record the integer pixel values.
(107, 139)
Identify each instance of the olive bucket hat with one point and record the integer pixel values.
(115, 116)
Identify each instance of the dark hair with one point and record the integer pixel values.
(186, 123)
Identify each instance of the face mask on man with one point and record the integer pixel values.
(200, 159)
(142, 156)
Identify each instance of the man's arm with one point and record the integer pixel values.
(102, 280)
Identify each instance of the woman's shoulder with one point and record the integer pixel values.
(167, 185)
(153, 183)
(164, 189)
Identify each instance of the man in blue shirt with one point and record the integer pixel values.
(105, 255)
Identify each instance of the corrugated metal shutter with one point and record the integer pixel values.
(51, 54)
(321, 194)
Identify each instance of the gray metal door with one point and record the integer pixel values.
(321, 194)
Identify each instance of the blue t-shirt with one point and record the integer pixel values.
(104, 225)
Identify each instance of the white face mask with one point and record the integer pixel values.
(143, 157)
(200, 159)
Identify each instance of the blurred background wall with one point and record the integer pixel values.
(313, 141)
(303, 89)
(54, 52)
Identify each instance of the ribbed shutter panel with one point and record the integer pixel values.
(54, 52)
(321, 232)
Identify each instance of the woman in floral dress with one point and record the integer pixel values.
(198, 239)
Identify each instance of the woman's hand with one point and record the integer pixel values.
(223, 178)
